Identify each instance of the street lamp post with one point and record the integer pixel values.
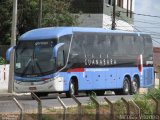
(40, 14)
(13, 43)
(114, 15)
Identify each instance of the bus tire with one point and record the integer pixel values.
(135, 86)
(72, 89)
(125, 89)
(126, 86)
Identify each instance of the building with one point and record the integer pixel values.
(156, 56)
(98, 13)
(156, 62)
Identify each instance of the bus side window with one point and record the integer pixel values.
(141, 39)
(60, 59)
(108, 44)
(65, 39)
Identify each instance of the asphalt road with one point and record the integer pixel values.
(30, 105)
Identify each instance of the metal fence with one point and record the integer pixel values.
(131, 110)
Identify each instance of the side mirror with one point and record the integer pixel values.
(8, 53)
(55, 49)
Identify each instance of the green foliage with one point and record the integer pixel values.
(46, 118)
(146, 106)
(27, 15)
(119, 107)
(2, 61)
(155, 92)
(5, 21)
(90, 103)
(57, 13)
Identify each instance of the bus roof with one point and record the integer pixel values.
(56, 32)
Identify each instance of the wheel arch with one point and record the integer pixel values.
(75, 80)
(138, 79)
(129, 77)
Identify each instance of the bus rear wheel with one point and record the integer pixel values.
(126, 88)
(135, 86)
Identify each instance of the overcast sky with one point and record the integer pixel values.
(148, 24)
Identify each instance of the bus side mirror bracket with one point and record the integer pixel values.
(55, 49)
(9, 51)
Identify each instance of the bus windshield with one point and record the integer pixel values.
(34, 58)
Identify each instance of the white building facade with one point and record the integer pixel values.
(98, 13)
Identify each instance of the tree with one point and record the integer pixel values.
(5, 21)
(57, 13)
(27, 15)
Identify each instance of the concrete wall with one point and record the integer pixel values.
(129, 3)
(90, 20)
(120, 24)
(125, 4)
(102, 20)
(4, 74)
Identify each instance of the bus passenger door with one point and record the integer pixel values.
(111, 76)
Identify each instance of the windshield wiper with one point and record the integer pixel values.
(26, 67)
(41, 72)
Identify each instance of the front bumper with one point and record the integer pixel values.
(50, 85)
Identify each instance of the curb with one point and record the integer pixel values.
(2, 95)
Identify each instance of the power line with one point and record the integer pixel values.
(130, 24)
(148, 27)
(142, 14)
(150, 32)
(144, 20)
(156, 37)
(153, 33)
(156, 41)
(137, 28)
(147, 15)
(155, 23)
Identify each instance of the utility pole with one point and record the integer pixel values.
(13, 43)
(114, 15)
(40, 14)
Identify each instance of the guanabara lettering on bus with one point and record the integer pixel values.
(74, 59)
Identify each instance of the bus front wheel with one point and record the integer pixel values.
(72, 89)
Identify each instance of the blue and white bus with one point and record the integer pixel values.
(74, 59)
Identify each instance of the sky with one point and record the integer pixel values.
(149, 24)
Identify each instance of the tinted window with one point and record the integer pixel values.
(34, 58)
(109, 49)
(66, 40)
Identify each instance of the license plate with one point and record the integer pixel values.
(32, 88)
